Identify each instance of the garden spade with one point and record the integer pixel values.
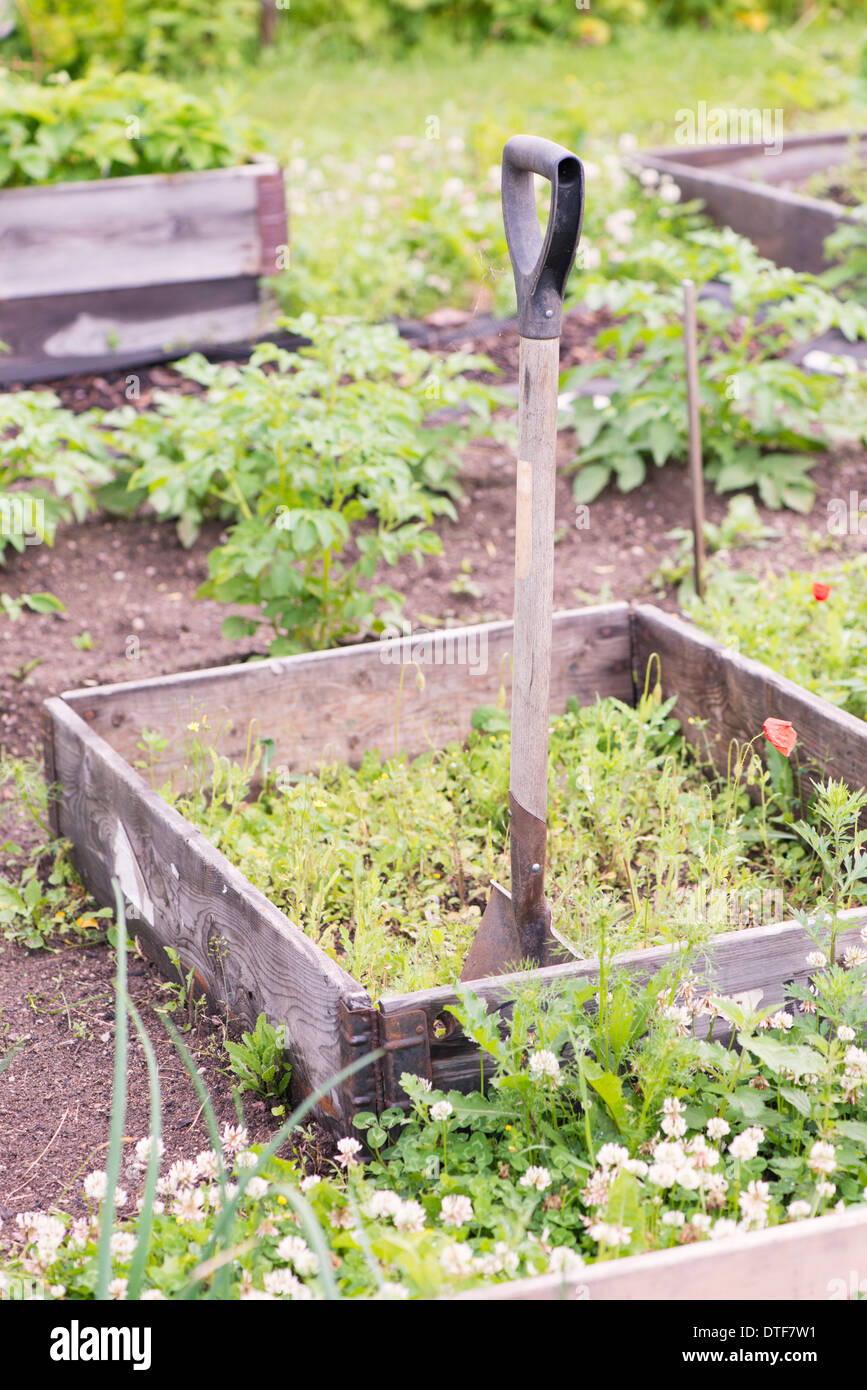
(517, 926)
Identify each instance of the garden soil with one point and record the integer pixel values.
(128, 587)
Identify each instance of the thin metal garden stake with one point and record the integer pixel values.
(695, 462)
(516, 926)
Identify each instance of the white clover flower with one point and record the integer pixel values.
(701, 1222)
(457, 1260)
(188, 1204)
(648, 178)
(591, 257)
(714, 1186)
(565, 1261)
(256, 1188)
(295, 1251)
(799, 1209)
(393, 1291)
(662, 1174)
(754, 1203)
(509, 1258)
(487, 1265)
(456, 1211)
(723, 1228)
(441, 1110)
(383, 1203)
(208, 1165)
(666, 1152)
(825, 1189)
(151, 1296)
(285, 1285)
(817, 959)
(183, 1173)
(845, 1033)
(701, 1154)
(612, 1156)
(743, 1147)
(144, 1146)
(410, 1216)
(536, 1177)
(117, 1288)
(718, 1128)
(80, 1233)
(607, 1234)
(343, 1219)
(854, 956)
(310, 1181)
(347, 1149)
(669, 193)
(688, 1178)
(123, 1244)
(782, 1019)
(96, 1185)
(233, 1138)
(637, 1167)
(543, 1065)
(672, 1218)
(424, 1083)
(823, 1157)
(601, 402)
(245, 1159)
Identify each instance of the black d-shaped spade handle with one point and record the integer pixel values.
(541, 266)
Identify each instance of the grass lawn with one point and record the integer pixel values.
(636, 84)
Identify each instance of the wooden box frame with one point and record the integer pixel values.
(110, 273)
(249, 958)
(740, 187)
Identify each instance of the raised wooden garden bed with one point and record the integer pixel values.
(821, 1259)
(752, 192)
(103, 275)
(183, 893)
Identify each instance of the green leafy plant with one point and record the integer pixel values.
(647, 845)
(846, 247)
(107, 126)
(327, 468)
(259, 1062)
(775, 618)
(763, 418)
(36, 603)
(187, 36)
(51, 463)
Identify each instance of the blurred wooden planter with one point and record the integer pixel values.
(249, 958)
(750, 191)
(820, 1260)
(103, 275)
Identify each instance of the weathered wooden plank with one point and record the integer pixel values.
(181, 892)
(769, 958)
(145, 230)
(801, 1260)
(332, 705)
(732, 695)
(63, 334)
(739, 187)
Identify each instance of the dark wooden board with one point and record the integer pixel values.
(732, 696)
(769, 958)
(116, 331)
(333, 705)
(739, 187)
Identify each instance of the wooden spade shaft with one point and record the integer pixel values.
(534, 571)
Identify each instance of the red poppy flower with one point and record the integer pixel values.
(781, 734)
(821, 591)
